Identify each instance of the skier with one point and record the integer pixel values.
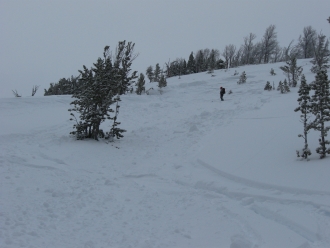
(222, 92)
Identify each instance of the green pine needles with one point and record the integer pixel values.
(317, 105)
(98, 97)
(320, 107)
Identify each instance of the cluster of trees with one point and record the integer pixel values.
(318, 104)
(153, 77)
(154, 74)
(267, 50)
(63, 87)
(99, 90)
(315, 112)
(204, 60)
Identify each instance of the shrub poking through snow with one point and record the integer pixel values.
(272, 72)
(268, 86)
(242, 78)
(162, 83)
(283, 87)
(140, 85)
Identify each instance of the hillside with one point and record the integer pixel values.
(191, 171)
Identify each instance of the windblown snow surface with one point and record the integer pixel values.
(191, 171)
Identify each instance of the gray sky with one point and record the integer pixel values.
(44, 40)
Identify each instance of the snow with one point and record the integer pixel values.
(191, 171)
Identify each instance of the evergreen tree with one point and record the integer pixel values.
(191, 65)
(122, 66)
(321, 54)
(320, 107)
(292, 71)
(200, 61)
(220, 64)
(242, 78)
(101, 87)
(212, 60)
(304, 108)
(283, 87)
(157, 73)
(272, 72)
(286, 86)
(150, 73)
(63, 87)
(184, 67)
(162, 83)
(140, 84)
(268, 86)
(280, 87)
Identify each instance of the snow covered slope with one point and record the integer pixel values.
(191, 171)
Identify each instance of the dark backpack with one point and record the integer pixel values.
(222, 90)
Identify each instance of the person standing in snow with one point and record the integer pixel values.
(222, 92)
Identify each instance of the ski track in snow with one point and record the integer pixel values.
(153, 188)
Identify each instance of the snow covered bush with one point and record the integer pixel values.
(140, 85)
(162, 83)
(272, 72)
(283, 87)
(242, 78)
(268, 86)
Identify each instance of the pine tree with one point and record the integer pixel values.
(93, 102)
(150, 73)
(122, 66)
(184, 67)
(268, 86)
(191, 65)
(304, 108)
(272, 72)
(280, 87)
(320, 107)
(100, 88)
(157, 73)
(162, 83)
(286, 86)
(321, 54)
(200, 61)
(283, 87)
(140, 84)
(292, 71)
(242, 78)
(212, 60)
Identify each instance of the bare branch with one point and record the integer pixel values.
(34, 89)
(16, 93)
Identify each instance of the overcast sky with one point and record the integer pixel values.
(42, 41)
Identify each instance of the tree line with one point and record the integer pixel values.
(251, 52)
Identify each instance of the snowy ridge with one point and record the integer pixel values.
(191, 171)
